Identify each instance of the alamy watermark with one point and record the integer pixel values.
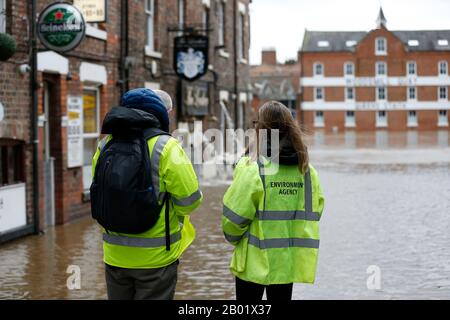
(74, 280)
(374, 280)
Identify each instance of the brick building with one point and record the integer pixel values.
(133, 48)
(272, 80)
(382, 79)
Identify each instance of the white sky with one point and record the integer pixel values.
(281, 23)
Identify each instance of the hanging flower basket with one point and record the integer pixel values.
(7, 46)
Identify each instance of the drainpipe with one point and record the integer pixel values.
(34, 127)
(124, 81)
(235, 47)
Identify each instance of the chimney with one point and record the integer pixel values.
(269, 56)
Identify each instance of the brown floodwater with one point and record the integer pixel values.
(386, 205)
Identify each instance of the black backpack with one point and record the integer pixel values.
(123, 197)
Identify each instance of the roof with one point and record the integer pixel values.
(315, 41)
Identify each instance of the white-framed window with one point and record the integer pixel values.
(381, 120)
(412, 118)
(443, 118)
(181, 13)
(91, 130)
(411, 68)
(412, 93)
(205, 17)
(349, 69)
(380, 46)
(150, 12)
(221, 22)
(350, 94)
(381, 93)
(318, 69)
(443, 93)
(319, 119)
(241, 36)
(443, 68)
(319, 94)
(350, 118)
(2, 16)
(381, 68)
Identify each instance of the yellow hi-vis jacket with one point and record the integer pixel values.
(273, 222)
(172, 172)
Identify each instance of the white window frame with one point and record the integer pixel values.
(377, 65)
(350, 121)
(322, 90)
(241, 35)
(412, 118)
(408, 64)
(347, 98)
(221, 23)
(377, 93)
(347, 64)
(443, 119)
(150, 25)
(319, 121)
(381, 121)
(379, 52)
(87, 168)
(2, 16)
(440, 63)
(315, 65)
(439, 94)
(408, 93)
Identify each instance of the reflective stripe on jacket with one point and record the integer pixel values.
(273, 221)
(172, 172)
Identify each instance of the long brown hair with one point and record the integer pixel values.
(274, 115)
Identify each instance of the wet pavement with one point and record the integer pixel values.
(386, 205)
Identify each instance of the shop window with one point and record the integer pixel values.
(350, 119)
(381, 119)
(443, 118)
(412, 118)
(319, 119)
(11, 162)
(91, 131)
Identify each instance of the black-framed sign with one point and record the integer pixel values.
(195, 98)
(61, 27)
(191, 56)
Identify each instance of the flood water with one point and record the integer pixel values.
(387, 206)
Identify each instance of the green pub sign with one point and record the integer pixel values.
(61, 27)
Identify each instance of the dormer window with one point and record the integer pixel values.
(350, 43)
(442, 42)
(318, 69)
(380, 46)
(413, 43)
(323, 44)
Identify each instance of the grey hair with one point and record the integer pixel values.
(166, 99)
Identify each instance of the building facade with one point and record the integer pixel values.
(75, 90)
(275, 81)
(382, 79)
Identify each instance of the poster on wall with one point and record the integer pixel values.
(12, 207)
(74, 132)
(92, 10)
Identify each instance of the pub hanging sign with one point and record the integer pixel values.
(191, 56)
(61, 27)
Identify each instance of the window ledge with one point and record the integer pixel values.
(412, 125)
(244, 61)
(319, 125)
(224, 54)
(443, 125)
(94, 32)
(381, 125)
(350, 125)
(154, 54)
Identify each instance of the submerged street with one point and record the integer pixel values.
(386, 206)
